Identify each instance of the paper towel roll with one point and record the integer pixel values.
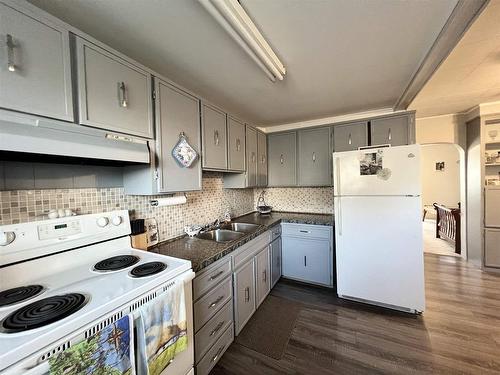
(169, 201)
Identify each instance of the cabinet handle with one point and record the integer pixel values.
(216, 275)
(217, 328)
(253, 157)
(389, 135)
(247, 294)
(122, 95)
(263, 159)
(216, 302)
(216, 137)
(282, 160)
(10, 53)
(305, 261)
(216, 356)
(349, 140)
(264, 275)
(314, 157)
(238, 144)
(304, 231)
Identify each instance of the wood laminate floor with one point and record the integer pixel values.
(459, 333)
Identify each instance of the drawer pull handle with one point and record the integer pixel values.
(238, 144)
(216, 356)
(304, 231)
(389, 135)
(282, 159)
(264, 275)
(10, 53)
(216, 275)
(216, 137)
(216, 302)
(305, 261)
(217, 328)
(350, 139)
(314, 157)
(122, 95)
(253, 157)
(247, 294)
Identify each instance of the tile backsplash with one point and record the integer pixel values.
(201, 207)
(312, 200)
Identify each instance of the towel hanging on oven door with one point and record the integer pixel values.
(161, 330)
(109, 351)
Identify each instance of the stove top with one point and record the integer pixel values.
(148, 269)
(19, 294)
(116, 263)
(43, 312)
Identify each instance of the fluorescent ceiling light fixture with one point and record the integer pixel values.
(233, 18)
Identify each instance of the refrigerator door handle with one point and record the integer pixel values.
(338, 204)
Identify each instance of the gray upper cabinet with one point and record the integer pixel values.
(262, 159)
(35, 74)
(394, 131)
(251, 135)
(350, 136)
(236, 144)
(282, 159)
(176, 112)
(314, 157)
(213, 123)
(114, 94)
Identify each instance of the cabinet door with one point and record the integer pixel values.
(262, 276)
(350, 137)
(262, 159)
(251, 156)
(275, 261)
(492, 248)
(244, 289)
(213, 122)
(282, 159)
(236, 144)
(315, 157)
(392, 130)
(176, 112)
(114, 94)
(35, 74)
(307, 260)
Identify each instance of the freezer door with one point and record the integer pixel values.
(378, 171)
(379, 250)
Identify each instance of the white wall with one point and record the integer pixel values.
(440, 186)
(440, 129)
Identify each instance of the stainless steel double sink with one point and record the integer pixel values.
(228, 232)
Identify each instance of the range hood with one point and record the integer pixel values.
(35, 135)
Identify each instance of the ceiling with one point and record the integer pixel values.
(342, 56)
(471, 73)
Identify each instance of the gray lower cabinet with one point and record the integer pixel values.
(36, 73)
(244, 291)
(214, 135)
(262, 276)
(262, 159)
(275, 261)
(176, 112)
(236, 144)
(282, 157)
(349, 137)
(213, 314)
(307, 253)
(394, 131)
(315, 157)
(113, 93)
(492, 247)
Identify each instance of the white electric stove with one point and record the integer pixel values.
(63, 280)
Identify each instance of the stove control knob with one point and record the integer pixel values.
(102, 221)
(116, 220)
(7, 238)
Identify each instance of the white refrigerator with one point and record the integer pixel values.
(378, 227)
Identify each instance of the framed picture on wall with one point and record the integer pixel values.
(440, 166)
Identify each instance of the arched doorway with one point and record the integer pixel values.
(443, 199)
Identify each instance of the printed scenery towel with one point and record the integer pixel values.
(108, 352)
(161, 331)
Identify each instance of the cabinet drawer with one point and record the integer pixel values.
(208, 280)
(207, 306)
(215, 353)
(249, 249)
(307, 231)
(211, 331)
(492, 248)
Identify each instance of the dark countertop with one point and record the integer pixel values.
(202, 252)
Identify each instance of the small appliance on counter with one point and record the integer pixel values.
(144, 233)
(262, 206)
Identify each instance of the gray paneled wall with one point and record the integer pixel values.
(27, 176)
